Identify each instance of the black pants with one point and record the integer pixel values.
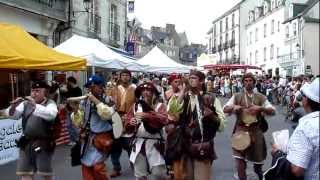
(117, 146)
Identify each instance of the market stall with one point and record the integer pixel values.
(97, 54)
(19, 50)
(161, 63)
(230, 69)
(21, 54)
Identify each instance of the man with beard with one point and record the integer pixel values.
(248, 141)
(190, 147)
(148, 116)
(124, 98)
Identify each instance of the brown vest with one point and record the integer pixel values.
(257, 99)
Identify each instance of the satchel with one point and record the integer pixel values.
(174, 146)
(263, 124)
(76, 154)
(103, 141)
(202, 150)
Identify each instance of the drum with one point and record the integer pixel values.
(117, 125)
(240, 140)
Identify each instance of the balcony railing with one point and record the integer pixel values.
(214, 50)
(232, 43)
(225, 45)
(114, 32)
(290, 59)
(48, 3)
(95, 24)
(229, 61)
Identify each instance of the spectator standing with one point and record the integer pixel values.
(303, 148)
(73, 90)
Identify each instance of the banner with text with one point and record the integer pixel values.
(10, 131)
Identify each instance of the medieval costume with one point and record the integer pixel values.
(247, 140)
(123, 97)
(96, 132)
(148, 143)
(190, 147)
(174, 91)
(37, 141)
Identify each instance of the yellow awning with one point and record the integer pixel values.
(19, 50)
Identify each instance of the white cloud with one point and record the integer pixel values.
(192, 16)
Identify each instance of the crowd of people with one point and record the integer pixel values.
(169, 123)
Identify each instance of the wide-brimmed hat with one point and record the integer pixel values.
(148, 86)
(94, 80)
(311, 91)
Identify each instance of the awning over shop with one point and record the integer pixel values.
(19, 50)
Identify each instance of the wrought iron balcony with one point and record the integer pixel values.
(95, 24)
(232, 43)
(225, 45)
(50, 8)
(290, 59)
(214, 50)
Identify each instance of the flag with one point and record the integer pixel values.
(131, 6)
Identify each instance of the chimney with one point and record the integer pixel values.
(170, 28)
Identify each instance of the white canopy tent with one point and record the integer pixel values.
(160, 62)
(97, 54)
